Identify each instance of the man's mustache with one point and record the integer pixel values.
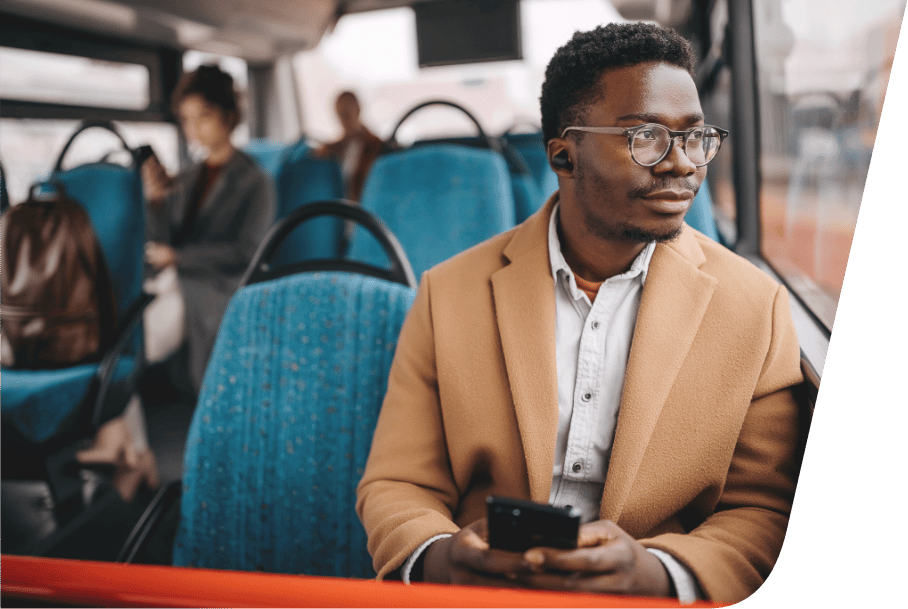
(662, 185)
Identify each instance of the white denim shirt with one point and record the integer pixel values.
(592, 344)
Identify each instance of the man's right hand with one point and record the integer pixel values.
(466, 558)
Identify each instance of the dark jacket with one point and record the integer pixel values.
(234, 217)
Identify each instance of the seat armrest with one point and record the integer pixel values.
(107, 368)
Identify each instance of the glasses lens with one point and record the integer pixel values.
(702, 144)
(649, 144)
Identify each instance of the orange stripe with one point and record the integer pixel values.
(98, 584)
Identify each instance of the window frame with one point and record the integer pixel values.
(163, 64)
(813, 334)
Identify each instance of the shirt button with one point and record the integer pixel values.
(586, 397)
(595, 325)
(577, 467)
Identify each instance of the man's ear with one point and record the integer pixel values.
(560, 159)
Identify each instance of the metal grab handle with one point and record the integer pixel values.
(259, 269)
(491, 142)
(84, 125)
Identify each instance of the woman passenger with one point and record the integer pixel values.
(205, 224)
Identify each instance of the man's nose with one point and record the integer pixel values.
(676, 161)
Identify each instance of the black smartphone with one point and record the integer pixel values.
(517, 525)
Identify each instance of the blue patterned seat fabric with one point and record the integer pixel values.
(303, 179)
(531, 148)
(284, 424)
(38, 403)
(112, 195)
(438, 200)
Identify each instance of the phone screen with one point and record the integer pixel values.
(517, 525)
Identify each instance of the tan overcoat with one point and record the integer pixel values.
(706, 454)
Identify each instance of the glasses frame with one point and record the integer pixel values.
(631, 132)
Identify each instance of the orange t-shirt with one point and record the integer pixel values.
(588, 287)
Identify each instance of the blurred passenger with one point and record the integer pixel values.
(205, 224)
(356, 150)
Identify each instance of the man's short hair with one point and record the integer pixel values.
(572, 74)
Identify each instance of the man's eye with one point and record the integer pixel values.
(696, 134)
(646, 134)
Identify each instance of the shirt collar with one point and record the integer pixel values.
(560, 268)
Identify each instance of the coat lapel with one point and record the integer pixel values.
(525, 311)
(674, 300)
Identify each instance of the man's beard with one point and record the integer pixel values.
(629, 233)
(634, 234)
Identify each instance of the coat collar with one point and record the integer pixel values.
(224, 184)
(673, 302)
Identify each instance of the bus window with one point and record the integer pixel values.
(715, 85)
(821, 78)
(53, 78)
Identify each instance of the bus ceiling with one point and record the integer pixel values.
(258, 31)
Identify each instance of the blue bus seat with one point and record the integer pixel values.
(42, 401)
(528, 197)
(303, 179)
(40, 406)
(532, 149)
(269, 154)
(284, 423)
(112, 196)
(700, 215)
(438, 200)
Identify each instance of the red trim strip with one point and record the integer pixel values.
(77, 582)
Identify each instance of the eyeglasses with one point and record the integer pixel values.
(651, 143)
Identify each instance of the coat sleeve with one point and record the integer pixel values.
(407, 494)
(732, 552)
(255, 216)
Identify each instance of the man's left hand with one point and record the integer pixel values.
(607, 560)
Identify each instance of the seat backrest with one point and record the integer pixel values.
(532, 149)
(303, 179)
(528, 196)
(269, 154)
(112, 195)
(700, 215)
(438, 200)
(284, 423)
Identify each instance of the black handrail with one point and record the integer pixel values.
(491, 142)
(260, 270)
(84, 125)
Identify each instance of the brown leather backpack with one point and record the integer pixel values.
(58, 305)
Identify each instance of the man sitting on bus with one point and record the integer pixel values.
(602, 355)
